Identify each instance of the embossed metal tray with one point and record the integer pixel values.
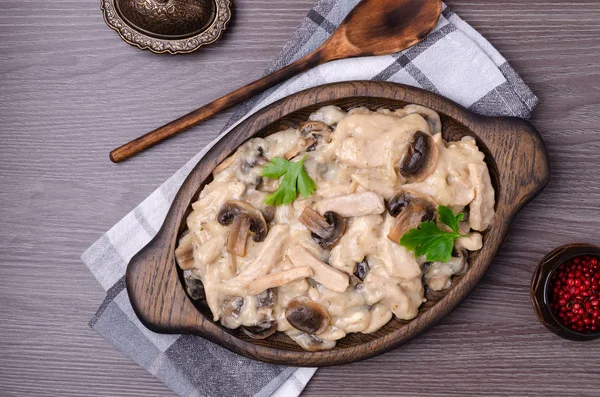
(167, 26)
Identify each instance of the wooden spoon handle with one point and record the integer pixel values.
(207, 111)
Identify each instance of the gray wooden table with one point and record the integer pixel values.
(70, 90)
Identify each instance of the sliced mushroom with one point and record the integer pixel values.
(243, 219)
(268, 255)
(410, 209)
(316, 129)
(315, 222)
(256, 198)
(303, 145)
(403, 198)
(354, 204)
(249, 161)
(311, 132)
(326, 230)
(306, 315)
(421, 158)
(232, 306)
(261, 331)
(268, 212)
(265, 302)
(193, 286)
(431, 116)
(234, 208)
(461, 258)
(324, 274)
(356, 282)
(266, 299)
(307, 127)
(275, 280)
(338, 227)
(362, 269)
(238, 235)
(184, 253)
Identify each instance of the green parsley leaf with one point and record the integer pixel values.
(429, 240)
(446, 216)
(276, 168)
(306, 185)
(295, 178)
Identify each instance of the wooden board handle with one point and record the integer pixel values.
(205, 112)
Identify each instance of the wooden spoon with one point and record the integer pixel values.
(373, 27)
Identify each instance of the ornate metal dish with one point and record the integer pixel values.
(167, 26)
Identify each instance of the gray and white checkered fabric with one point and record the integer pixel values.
(454, 61)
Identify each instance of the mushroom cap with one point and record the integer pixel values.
(234, 208)
(232, 306)
(362, 268)
(438, 275)
(303, 145)
(327, 229)
(194, 286)
(462, 253)
(431, 116)
(338, 224)
(268, 212)
(314, 127)
(410, 209)
(261, 331)
(249, 161)
(266, 299)
(307, 316)
(461, 256)
(397, 202)
(420, 159)
(403, 197)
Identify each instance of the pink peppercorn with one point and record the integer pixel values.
(575, 295)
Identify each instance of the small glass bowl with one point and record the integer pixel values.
(540, 288)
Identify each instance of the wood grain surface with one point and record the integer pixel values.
(62, 71)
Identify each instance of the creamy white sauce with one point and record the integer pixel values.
(356, 168)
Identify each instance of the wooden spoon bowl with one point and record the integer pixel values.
(518, 164)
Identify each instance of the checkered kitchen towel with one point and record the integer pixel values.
(454, 61)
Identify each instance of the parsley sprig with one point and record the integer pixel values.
(429, 240)
(295, 179)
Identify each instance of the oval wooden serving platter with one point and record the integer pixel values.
(518, 163)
